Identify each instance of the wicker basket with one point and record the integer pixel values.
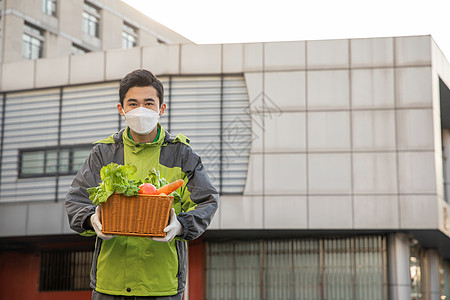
(142, 215)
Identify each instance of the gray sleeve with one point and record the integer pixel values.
(78, 205)
(203, 194)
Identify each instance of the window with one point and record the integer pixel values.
(32, 42)
(444, 279)
(49, 7)
(91, 20)
(78, 50)
(65, 270)
(444, 92)
(129, 36)
(50, 161)
(416, 269)
(316, 268)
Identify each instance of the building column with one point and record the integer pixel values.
(197, 269)
(433, 271)
(399, 278)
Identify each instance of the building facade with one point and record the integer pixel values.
(330, 157)
(52, 28)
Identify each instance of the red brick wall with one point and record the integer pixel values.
(19, 276)
(19, 279)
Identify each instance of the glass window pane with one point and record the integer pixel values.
(90, 20)
(415, 269)
(26, 45)
(32, 163)
(49, 7)
(50, 165)
(444, 279)
(85, 24)
(32, 42)
(79, 156)
(129, 36)
(64, 161)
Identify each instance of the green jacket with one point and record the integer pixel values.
(135, 266)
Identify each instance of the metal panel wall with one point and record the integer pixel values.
(31, 121)
(236, 134)
(195, 109)
(213, 111)
(89, 113)
(2, 135)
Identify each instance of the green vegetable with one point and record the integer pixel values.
(114, 180)
(155, 178)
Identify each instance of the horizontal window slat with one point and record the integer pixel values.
(196, 107)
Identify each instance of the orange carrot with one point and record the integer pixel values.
(171, 187)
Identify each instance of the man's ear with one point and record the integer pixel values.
(120, 109)
(162, 109)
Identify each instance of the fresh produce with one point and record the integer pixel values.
(155, 178)
(170, 188)
(147, 188)
(114, 180)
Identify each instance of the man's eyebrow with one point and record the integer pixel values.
(145, 100)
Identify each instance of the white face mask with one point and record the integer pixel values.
(142, 120)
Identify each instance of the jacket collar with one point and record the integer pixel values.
(138, 147)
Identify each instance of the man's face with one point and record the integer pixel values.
(145, 96)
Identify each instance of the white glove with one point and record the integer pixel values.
(97, 224)
(173, 229)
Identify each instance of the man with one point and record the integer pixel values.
(135, 266)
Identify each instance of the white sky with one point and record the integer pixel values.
(243, 21)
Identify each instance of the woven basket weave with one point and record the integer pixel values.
(142, 215)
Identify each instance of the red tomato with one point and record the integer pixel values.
(147, 188)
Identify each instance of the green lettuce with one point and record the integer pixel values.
(114, 180)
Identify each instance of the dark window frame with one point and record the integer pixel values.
(77, 49)
(129, 36)
(33, 40)
(65, 270)
(91, 20)
(71, 170)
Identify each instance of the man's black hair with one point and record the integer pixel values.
(140, 78)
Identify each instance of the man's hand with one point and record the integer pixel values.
(97, 225)
(173, 229)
